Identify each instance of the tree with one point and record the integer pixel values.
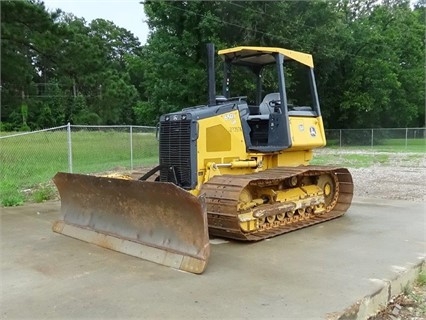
(368, 54)
(379, 81)
(50, 61)
(27, 30)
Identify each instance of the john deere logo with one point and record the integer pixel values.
(313, 132)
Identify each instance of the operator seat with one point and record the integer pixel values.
(264, 129)
(264, 107)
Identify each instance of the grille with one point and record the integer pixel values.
(175, 153)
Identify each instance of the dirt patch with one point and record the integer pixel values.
(410, 305)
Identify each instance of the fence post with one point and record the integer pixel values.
(131, 148)
(406, 138)
(372, 138)
(69, 148)
(340, 138)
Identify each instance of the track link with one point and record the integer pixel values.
(223, 194)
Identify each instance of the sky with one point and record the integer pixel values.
(126, 14)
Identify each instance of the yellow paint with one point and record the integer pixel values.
(306, 133)
(244, 164)
(292, 194)
(300, 197)
(221, 142)
(312, 190)
(218, 139)
(221, 147)
(303, 58)
(248, 222)
(327, 189)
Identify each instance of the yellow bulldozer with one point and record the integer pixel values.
(228, 169)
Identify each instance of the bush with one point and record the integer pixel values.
(25, 128)
(12, 198)
(6, 126)
(43, 193)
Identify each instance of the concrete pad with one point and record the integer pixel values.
(313, 273)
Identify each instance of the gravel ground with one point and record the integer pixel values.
(401, 176)
(390, 182)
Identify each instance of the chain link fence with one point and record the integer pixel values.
(398, 139)
(31, 159)
(103, 148)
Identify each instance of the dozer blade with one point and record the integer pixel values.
(155, 221)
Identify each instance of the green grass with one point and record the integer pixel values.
(400, 145)
(358, 159)
(43, 193)
(31, 160)
(352, 160)
(99, 151)
(388, 145)
(421, 280)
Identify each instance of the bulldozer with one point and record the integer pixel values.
(231, 168)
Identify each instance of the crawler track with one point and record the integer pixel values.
(223, 194)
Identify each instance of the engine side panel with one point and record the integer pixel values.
(307, 133)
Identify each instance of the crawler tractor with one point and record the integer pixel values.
(228, 169)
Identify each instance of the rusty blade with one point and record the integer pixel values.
(119, 214)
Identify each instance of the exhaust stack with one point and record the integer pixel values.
(211, 75)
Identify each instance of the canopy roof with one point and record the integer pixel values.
(261, 56)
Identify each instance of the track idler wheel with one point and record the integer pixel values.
(328, 184)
